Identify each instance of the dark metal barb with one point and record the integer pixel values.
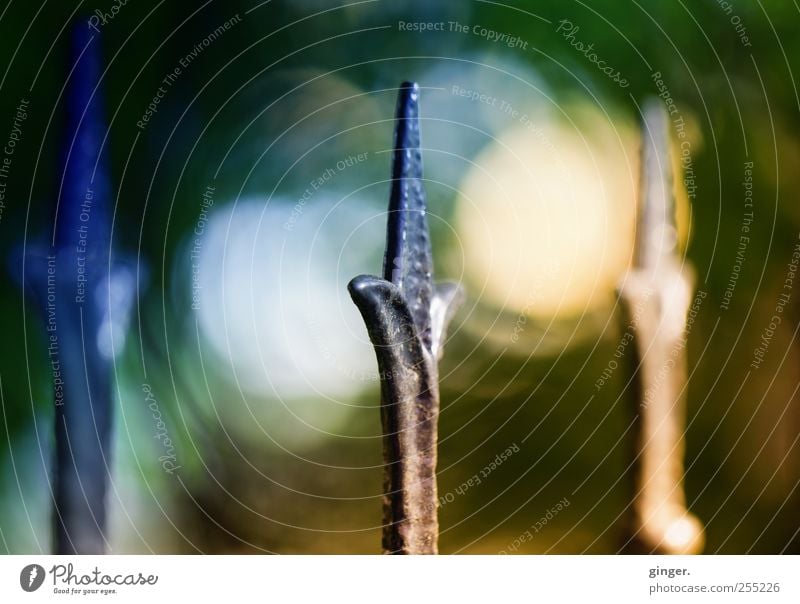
(408, 262)
(85, 296)
(406, 318)
(655, 298)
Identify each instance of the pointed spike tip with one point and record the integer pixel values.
(407, 123)
(407, 262)
(409, 88)
(656, 235)
(84, 155)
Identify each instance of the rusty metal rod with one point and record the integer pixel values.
(406, 317)
(655, 297)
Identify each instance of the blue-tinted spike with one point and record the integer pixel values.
(408, 262)
(84, 195)
(85, 298)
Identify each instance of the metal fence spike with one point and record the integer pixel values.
(655, 298)
(406, 318)
(85, 296)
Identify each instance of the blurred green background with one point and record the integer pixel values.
(263, 373)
